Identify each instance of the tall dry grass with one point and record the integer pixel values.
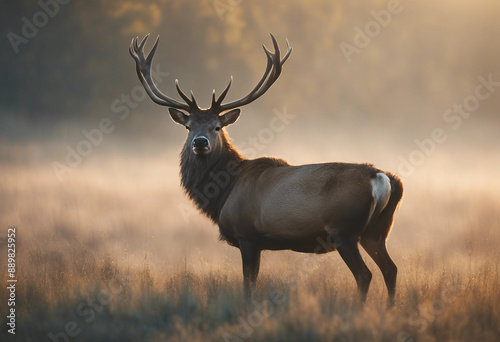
(114, 253)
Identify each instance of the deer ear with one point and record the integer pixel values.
(229, 117)
(178, 116)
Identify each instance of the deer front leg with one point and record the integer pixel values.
(250, 255)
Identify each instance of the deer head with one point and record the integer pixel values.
(204, 124)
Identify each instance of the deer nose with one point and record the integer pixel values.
(200, 142)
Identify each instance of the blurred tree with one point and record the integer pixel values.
(428, 56)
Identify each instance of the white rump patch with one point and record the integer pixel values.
(381, 192)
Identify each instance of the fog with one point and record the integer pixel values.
(411, 87)
(89, 164)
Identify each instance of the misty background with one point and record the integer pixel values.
(90, 206)
(66, 77)
(378, 105)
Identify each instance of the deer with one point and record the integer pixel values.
(266, 203)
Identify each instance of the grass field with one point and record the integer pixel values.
(116, 253)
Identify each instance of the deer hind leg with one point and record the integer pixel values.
(349, 251)
(374, 242)
(250, 255)
(376, 248)
(375, 236)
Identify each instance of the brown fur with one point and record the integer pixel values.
(348, 183)
(266, 203)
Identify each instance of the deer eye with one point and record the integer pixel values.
(217, 128)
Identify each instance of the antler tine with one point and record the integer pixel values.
(194, 100)
(288, 52)
(143, 42)
(143, 69)
(271, 74)
(151, 54)
(214, 101)
(276, 47)
(131, 48)
(191, 103)
(224, 92)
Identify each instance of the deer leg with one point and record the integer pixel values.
(349, 251)
(377, 250)
(250, 255)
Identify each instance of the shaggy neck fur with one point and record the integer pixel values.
(209, 179)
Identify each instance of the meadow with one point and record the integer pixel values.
(112, 250)
(116, 252)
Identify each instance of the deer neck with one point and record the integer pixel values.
(209, 179)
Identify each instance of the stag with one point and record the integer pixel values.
(268, 204)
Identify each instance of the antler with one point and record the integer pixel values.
(273, 71)
(143, 68)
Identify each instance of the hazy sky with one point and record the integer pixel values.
(65, 66)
